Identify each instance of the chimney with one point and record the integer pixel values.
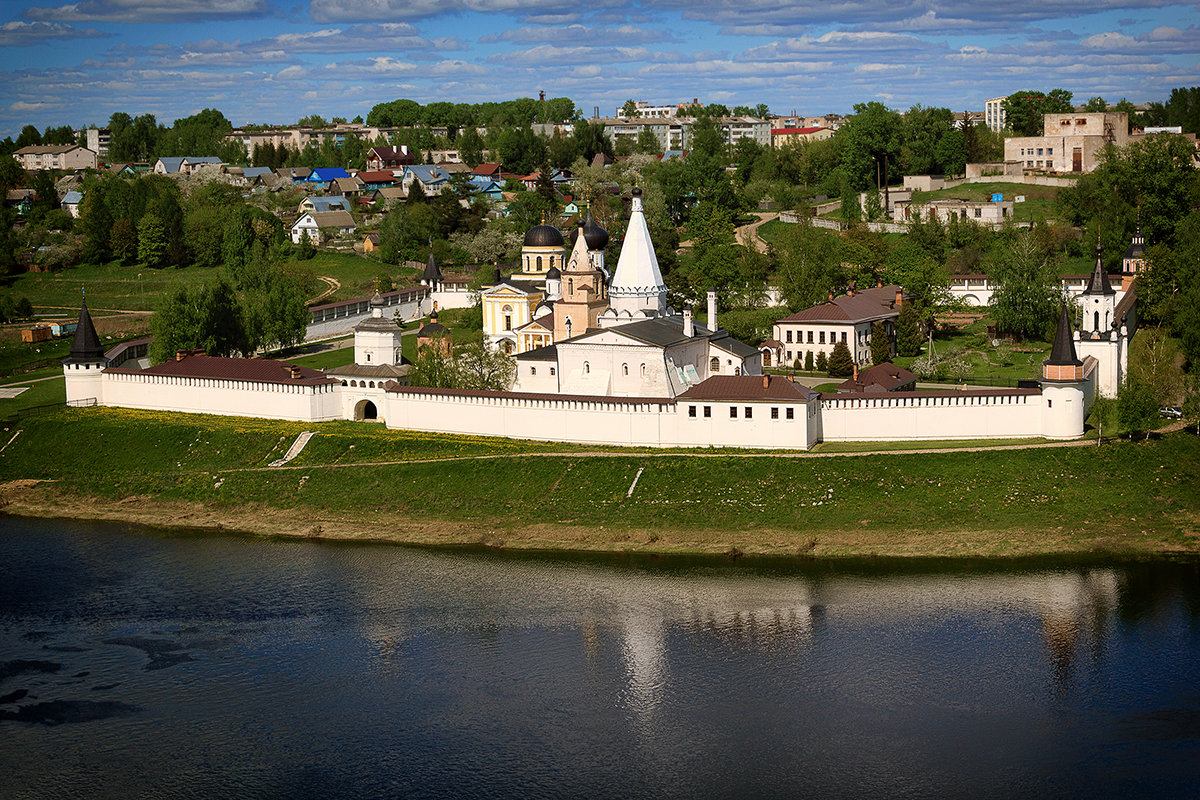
(831, 295)
(855, 376)
(688, 330)
(404, 149)
(766, 380)
(899, 297)
(180, 355)
(295, 371)
(879, 283)
(496, 277)
(712, 311)
(850, 290)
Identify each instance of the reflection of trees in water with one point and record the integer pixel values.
(1149, 591)
(756, 626)
(1075, 608)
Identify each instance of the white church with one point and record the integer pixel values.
(616, 365)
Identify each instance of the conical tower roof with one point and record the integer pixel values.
(85, 347)
(637, 276)
(1098, 283)
(1063, 351)
(432, 274)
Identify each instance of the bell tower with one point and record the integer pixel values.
(1097, 303)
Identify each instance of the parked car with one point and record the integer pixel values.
(1171, 412)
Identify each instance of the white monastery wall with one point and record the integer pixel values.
(903, 416)
(221, 397)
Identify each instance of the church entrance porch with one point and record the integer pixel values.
(365, 410)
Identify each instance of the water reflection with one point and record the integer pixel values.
(385, 671)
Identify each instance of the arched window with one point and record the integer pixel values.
(372, 384)
(354, 384)
(551, 262)
(624, 369)
(587, 368)
(570, 285)
(714, 364)
(1096, 321)
(643, 370)
(344, 383)
(526, 263)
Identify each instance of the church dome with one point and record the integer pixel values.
(553, 274)
(595, 236)
(543, 236)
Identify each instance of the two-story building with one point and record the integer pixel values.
(848, 319)
(1070, 142)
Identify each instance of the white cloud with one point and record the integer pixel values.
(580, 34)
(21, 34)
(150, 10)
(21, 105)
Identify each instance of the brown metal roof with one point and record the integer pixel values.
(932, 393)
(867, 304)
(748, 387)
(580, 398)
(249, 370)
(885, 376)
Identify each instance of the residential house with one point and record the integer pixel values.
(20, 200)
(486, 188)
(55, 156)
(489, 170)
(323, 205)
(370, 243)
(183, 165)
(346, 187)
(327, 175)
(70, 202)
(848, 319)
(322, 226)
(376, 179)
(131, 170)
(294, 174)
(248, 176)
(781, 137)
(391, 194)
(442, 157)
(432, 178)
(379, 158)
(984, 212)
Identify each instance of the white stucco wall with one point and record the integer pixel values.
(222, 397)
(894, 417)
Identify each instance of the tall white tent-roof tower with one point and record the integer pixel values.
(637, 290)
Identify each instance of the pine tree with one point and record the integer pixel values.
(822, 362)
(808, 361)
(881, 348)
(841, 365)
(908, 332)
(305, 249)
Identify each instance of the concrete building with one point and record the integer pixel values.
(994, 115)
(1070, 142)
(55, 156)
(849, 319)
(983, 212)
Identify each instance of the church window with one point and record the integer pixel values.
(343, 383)
(714, 364)
(587, 368)
(539, 263)
(749, 412)
(552, 372)
(526, 263)
(733, 412)
(533, 370)
(791, 414)
(368, 358)
(774, 412)
(707, 412)
(643, 370)
(372, 384)
(551, 262)
(1096, 321)
(1049, 403)
(570, 286)
(692, 412)
(624, 369)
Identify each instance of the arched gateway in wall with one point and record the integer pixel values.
(365, 410)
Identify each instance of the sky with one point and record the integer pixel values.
(266, 61)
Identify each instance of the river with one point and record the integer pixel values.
(136, 663)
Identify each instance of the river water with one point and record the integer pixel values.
(143, 664)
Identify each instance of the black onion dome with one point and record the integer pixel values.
(553, 274)
(595, 236)
(543, 236)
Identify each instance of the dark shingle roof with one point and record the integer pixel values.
(547, 353)
(432, 273)
(1098, 283)
(884, 377)
(729, 344)
(85, 347)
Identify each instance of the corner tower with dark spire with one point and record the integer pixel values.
(1066, 386)
(83, 367)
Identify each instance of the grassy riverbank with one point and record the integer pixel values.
(361, 481)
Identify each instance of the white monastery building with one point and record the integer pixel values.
(616, 365)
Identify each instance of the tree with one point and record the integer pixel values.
(841, 365)
(560, 150)
(29, 135)
(648, 143)
(822, 361)
(1024, 110)
(478, 366)
(305, 250)
(433, 366)
(1096, 104)
(23, 309)
(470, 148)
(908, 331)
(1028, 292)
(808, 361)
(630, 108)
(1137, 409)
(152, 240)
(1154, 361)
(123, 241)
(881, 346)
(869, 138)
(808, 264)
(200, 316)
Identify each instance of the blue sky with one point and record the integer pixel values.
(269, 61)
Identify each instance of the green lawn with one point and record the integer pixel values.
(1123, 497)
(39, 394)
(324, 360)
(1039, 200)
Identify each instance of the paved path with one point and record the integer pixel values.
(747, 235)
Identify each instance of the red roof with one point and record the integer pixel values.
(748, 387)
(486, 170)
(785, 131)
(248, 370)
(391, 386)
(378, 176)
(881, 377)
